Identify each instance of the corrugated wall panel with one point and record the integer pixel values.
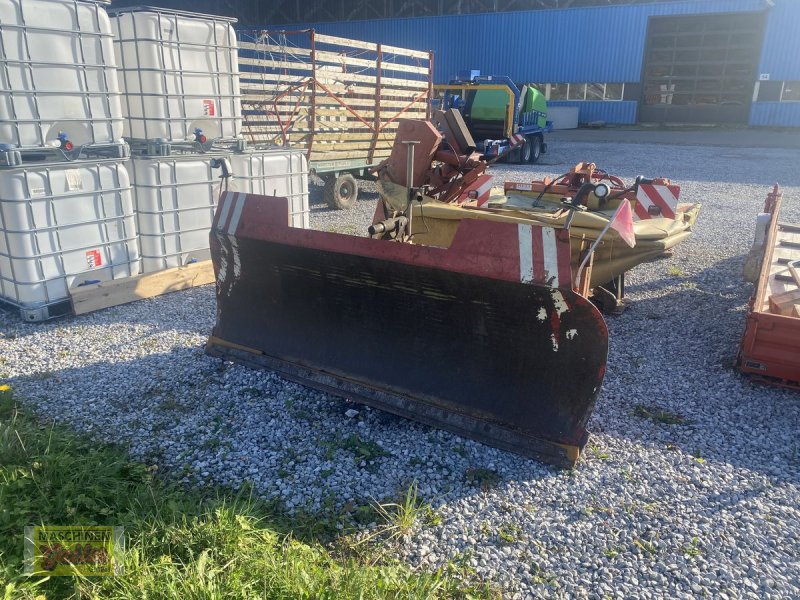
(775, 114)
(780, 56)
(600, 44)
(618, 113)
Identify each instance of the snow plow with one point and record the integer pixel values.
(477, 338)
(770, 347)
(488, 337)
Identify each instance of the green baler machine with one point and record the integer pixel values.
(503, 119)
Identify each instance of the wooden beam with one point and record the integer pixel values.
(330, 74)
(315, 156)
(340, 59)
(339, 41)
(274, 64)
(266, 126)
(329, 114)
(271, 48)
(89, 298)
(276, 49)
(250, 97)
(281, 83)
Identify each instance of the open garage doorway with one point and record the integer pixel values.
(700, 68)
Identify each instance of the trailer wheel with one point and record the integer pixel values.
(525, 151)
(341, 192)
(533, 143)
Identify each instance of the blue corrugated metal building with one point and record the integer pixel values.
(686, 61)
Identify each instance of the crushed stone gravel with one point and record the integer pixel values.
(704, 505)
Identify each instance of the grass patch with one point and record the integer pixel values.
(398, 518)
(592, 509)
(599, 454)
(646, 546)
(486, 479)
(676, 271)
(509, 533)
(181, 543)
(693, 549)
(657, 415)
(698, 457)
(361, 449)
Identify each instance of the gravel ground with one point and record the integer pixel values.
(707, 506)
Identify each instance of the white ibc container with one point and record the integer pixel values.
(57, 73)
(176, 197)
(180, 73)
(275, 172)
(63, 225)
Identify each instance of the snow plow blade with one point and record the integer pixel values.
(462, 338)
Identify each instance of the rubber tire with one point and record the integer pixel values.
(525, 151)
(341, 192)
(535, 151)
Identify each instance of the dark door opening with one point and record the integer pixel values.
(700, 68)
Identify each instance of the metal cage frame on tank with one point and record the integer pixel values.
(52, 240)
(142, 124)
(73, 121)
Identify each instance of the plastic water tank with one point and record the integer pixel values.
(275, 172)
(62, 225)
(57, 73)
(175, 198)
(180, 74)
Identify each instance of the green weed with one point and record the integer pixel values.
(693, 549)
(509, 533)
(399, 518)
(362, 450)
(486, 479)
(645, 546)
(599, 454)
(461, 450)
(675, 271)
(657, 415)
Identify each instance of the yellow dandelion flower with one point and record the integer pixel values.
(5, 388)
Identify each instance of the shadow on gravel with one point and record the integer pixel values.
(672, 376)
(716, 279)
(209, 423)
(149, 316)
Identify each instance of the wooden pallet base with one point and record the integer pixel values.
(94, 297)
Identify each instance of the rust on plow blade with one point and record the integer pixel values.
(444, 336)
